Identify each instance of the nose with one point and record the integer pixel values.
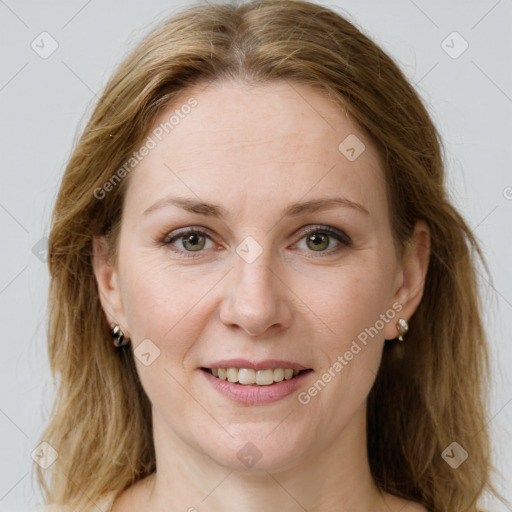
(256, 298)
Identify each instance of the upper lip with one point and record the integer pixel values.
(256, 365)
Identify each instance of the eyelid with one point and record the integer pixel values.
(338, 234)
(185, 231)
(177, 234)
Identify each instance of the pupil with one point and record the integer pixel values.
(317, 239)
(192, 239)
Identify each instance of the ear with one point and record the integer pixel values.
(107, 280)
(411, 275)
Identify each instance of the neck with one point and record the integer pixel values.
(337, 478)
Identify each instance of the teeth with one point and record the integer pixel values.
(247, 376)
(232, 374)
(264, 377)
(278, 374)
(260, 377)
(288, 373)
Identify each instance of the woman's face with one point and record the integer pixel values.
(258, 279)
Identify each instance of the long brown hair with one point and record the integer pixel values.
(424, 398)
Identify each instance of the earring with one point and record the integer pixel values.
(118, 335)
(402, 327)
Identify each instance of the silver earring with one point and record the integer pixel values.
(118, 336)
(402, 327)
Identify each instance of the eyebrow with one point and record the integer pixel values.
(292, 210)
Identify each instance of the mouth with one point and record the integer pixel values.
(250, 377)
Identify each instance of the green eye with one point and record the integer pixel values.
(318, 239)
(193, 242)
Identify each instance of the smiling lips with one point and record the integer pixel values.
(254, 394)
(255, 383)
(262, 373)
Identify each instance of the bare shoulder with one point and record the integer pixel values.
(101, 503)
(397, 504)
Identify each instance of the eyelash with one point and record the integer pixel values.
(341, 237)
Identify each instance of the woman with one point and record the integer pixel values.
(261, 297)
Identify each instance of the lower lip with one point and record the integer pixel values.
(256, 395)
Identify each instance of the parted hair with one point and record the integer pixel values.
(429, 392)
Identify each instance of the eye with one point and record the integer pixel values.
(193, 240)
(318, 239)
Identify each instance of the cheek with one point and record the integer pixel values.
(355, 307)
(352, 308)
(170, 304)
(165, 303)
(353, 300)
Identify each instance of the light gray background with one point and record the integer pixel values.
(45, 102)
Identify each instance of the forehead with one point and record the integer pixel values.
(267, 143)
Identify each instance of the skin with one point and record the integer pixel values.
(254, 150)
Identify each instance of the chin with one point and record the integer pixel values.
(261, 449)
